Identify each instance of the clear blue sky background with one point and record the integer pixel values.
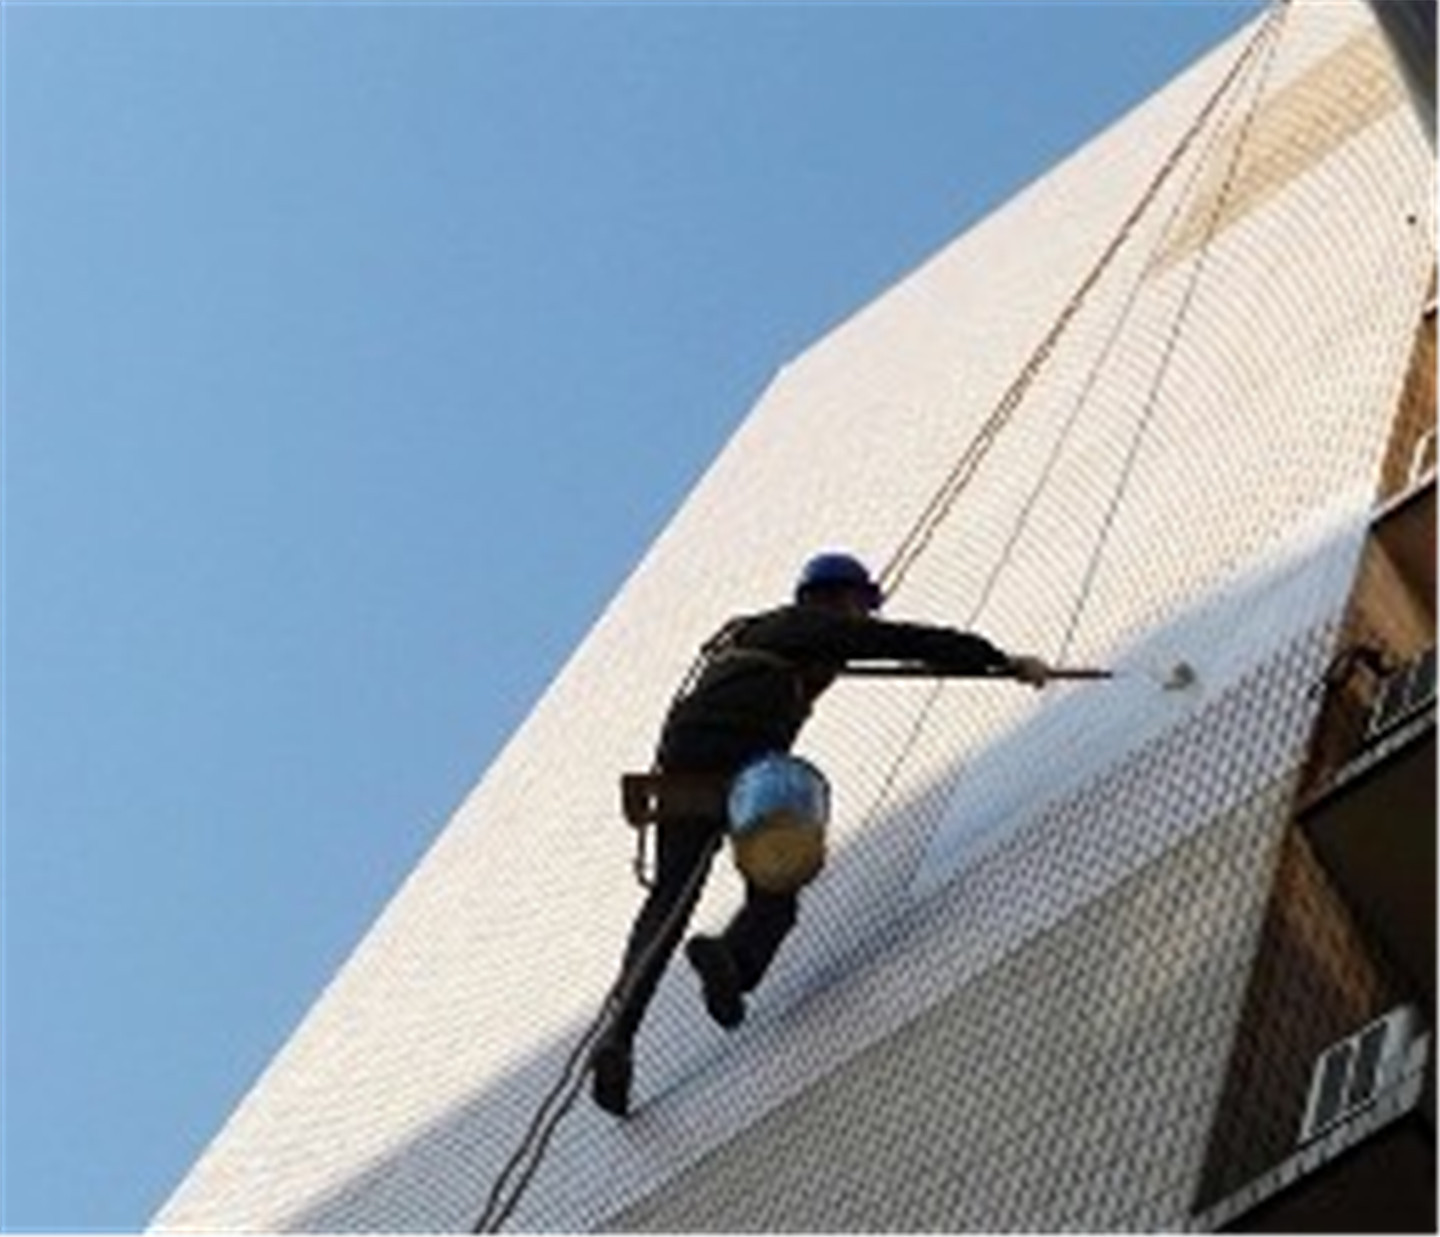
(353, 355)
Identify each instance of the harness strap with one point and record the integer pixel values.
(763, 657)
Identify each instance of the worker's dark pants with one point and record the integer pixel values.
(752, 937)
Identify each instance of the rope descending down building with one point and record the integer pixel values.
(1255, 59)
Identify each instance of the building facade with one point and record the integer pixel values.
(1076, 954)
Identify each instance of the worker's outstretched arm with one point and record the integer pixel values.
(954, 653)
(815, 634)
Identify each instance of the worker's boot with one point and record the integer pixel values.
(611, 1065)
(720, 976)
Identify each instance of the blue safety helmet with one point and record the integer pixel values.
(833, 570)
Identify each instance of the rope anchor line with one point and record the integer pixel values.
(942, 501)
(521, 1166)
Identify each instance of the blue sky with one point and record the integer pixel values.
(352, 357)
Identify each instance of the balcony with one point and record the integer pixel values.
(1369, 811)
(1375, 1172)
(1350, 928)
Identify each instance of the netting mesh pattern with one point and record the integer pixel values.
(1072, 919)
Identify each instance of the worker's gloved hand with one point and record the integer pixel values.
(1031, 671)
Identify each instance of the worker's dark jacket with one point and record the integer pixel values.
(762, 674)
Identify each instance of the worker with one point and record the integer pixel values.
(756, 682)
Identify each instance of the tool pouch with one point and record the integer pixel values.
(647, 798)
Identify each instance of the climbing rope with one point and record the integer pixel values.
(521, 1166)
(1172, 341)
(942, 502)
(943, 499)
